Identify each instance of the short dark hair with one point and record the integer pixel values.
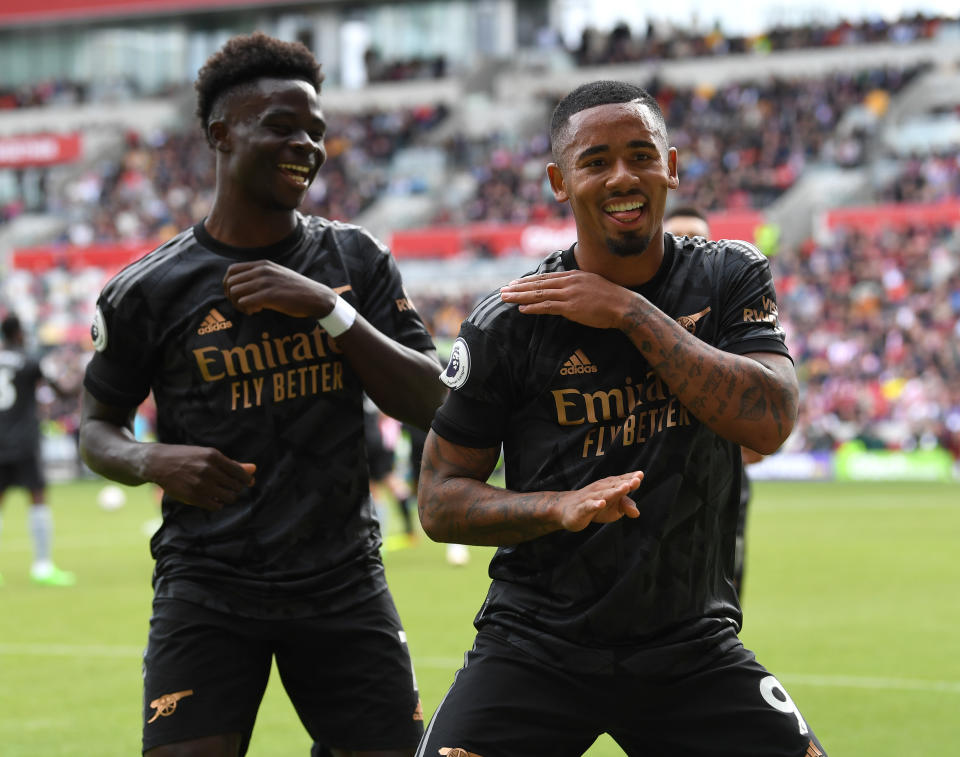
(687, 211)
(592, 94)
(246, 58)
(11, 328)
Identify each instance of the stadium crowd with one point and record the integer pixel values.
(925, 178)
(741, 145)
(670, 42)
(873, 322)
(159, 184)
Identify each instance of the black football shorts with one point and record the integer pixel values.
(349, 676)
(26, 472)
(504, 704)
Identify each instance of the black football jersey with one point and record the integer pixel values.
(19, 424)
(572, 404)
(265, 388)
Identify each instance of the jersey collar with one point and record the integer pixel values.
(269, 252)
(569, 261)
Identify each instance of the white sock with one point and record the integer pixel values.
(41, 529)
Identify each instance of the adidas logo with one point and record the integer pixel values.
(214, 322)
(576, 364)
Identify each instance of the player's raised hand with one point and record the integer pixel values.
(603, 501)
(579, 296)
(200, 476)
(264, 285)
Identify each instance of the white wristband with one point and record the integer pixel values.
(339, 319)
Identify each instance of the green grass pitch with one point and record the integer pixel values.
(852, 599)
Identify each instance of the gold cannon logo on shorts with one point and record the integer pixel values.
(166, 705)
(456, 752)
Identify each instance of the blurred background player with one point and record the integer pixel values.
(21, 462)
(690, 221)
(387, 486)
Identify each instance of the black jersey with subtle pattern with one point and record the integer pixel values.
(19, 423)
(572, 404)
(265, 388)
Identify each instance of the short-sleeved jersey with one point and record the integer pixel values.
(19, 425)
(572, 404)
(267, 389)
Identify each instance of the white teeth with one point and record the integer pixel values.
(298, 174)
(619, 207)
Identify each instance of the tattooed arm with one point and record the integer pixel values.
(457, 505)
(749, 399)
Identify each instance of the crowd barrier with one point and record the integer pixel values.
(854, 462)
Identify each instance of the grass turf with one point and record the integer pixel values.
(850, 600)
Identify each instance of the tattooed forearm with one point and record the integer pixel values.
(457, 505)
(750, 400)
(498, 517)
(467, 461)
(753, 405)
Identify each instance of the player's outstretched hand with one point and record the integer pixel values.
(199, 476)
(603, 501)
(264, 285)
(579, 296)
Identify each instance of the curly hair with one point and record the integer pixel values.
(246, 58)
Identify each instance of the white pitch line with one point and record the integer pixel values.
(70, 650)
(809, 506)
(866, 682)
(439, 663)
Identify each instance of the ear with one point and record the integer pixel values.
(556, 182)
(672, 167)
(219, 135)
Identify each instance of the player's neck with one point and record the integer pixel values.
(251, 227)
(627, 271)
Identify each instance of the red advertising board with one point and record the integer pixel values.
(109, 256)
(876, 217)
(534, 240)
(25, 150)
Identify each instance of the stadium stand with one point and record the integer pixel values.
(842, 162)
(667, 42)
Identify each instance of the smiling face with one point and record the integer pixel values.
(269, 140)
(615, 169)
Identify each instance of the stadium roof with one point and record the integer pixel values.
(29, 12)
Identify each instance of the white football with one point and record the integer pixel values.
(111, 497)
(458, 554)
